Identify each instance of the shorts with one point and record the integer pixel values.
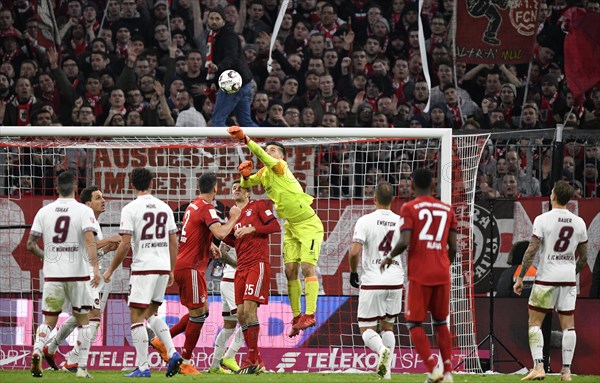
(56, 293)
(378, 303)
(421, 298)
(544, 298)
(228, 299)
(192, 288)
(145, 289)
(94, 293)
(253, 284)
(302, 241)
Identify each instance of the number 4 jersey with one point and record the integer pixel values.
(149, 221)
(560, 232)
(430, 221)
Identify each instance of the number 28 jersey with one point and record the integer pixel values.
(430, 221)
(149, 221)
(560, 232)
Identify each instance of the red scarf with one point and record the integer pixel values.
(122, 50)
(95, 103)
(329, 106)
(23, 112)
(209, 55)
(546, 114)
(78, 48)
(457, 118)
(328, 33)
(399, 87)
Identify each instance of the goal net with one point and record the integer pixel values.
(339, 167)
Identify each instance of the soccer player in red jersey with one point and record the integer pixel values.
(253, 274)
(429, 231)
(200, 223)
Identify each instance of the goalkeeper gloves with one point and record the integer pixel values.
(237, 133)
(354, 280)
(245, 169)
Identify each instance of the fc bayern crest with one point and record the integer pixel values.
(248, 212)
(486, 239)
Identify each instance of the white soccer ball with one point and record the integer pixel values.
(230, 81)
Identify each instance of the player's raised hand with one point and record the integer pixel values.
(235, 212)
(354, 280)
(238, 134)
(385, 263)
(245, 169)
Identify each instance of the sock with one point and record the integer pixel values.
(180, 326)
(421, 343)
(294, 292)
(94, 325)
(536, 345)
(41, 338)
(139, 338)
(311, 287)
(192, 334)
(221, 345)
(445, 345)
(250, 332)
(161, 330)
(569, 339)
(388, 339)
(372, 340)
(74, 354)
(236, 344)
(63, 332)
(84, 339)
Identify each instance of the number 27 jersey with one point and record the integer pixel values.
(430, 221)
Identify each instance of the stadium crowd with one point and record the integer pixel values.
(336, 63)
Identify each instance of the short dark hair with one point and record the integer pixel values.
(384, 192)
(238, 181)
(65, 183)
(422, 178)
(86, 194)
(279, 145)
(517, 251)
(141, 178)
(207, 182)
(563, 192)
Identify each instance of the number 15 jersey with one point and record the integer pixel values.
(430, 221)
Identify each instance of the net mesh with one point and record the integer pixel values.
(340, 172)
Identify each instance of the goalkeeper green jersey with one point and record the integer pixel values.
(281, 186)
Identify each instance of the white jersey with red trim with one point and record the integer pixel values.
(560, 231)
(379, 232)
(61, 225)
(149, 221)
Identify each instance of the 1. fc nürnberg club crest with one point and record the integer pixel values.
(523, 16)
(485, 242)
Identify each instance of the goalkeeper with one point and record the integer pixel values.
(303, 228)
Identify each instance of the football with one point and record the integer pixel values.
(230, 81)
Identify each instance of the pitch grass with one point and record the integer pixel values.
(117, 376)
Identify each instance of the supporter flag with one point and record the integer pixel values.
(582, 45)
(496, 31)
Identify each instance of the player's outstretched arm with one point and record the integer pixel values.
(120, 254)
(220, 231)
(238, 134)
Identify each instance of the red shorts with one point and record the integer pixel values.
(192, 288)
(421, 299)
(253, 284)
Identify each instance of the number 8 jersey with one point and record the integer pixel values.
(560, 231)
(149, 221)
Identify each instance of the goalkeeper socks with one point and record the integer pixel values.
(569, 339)
(192, 334)
(220, 345)
(63, 332)
(84, 340)
(41, 338)
(536, 344)
(445, 345)
(251, 335)
(311, 287)
(372, 340)
(180, 326)
(294, 292)
(236, 344)
(139, 338)
(161, 330)
(421, 343)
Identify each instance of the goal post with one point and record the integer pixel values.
(338, 166)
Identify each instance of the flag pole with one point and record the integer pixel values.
(527, 84)
(284, 5)
(104, 15)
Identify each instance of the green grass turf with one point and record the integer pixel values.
(117, 376)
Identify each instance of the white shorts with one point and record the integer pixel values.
(377, 304)
(545, 298)
(228, 298)
(146, 289)
(55, 294)
(94, 293)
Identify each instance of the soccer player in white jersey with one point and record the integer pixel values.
(380, 296)
(67, 229)
(92, 197)
(147, 226)
(559, 234)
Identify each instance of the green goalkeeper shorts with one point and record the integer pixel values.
(302, 241)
